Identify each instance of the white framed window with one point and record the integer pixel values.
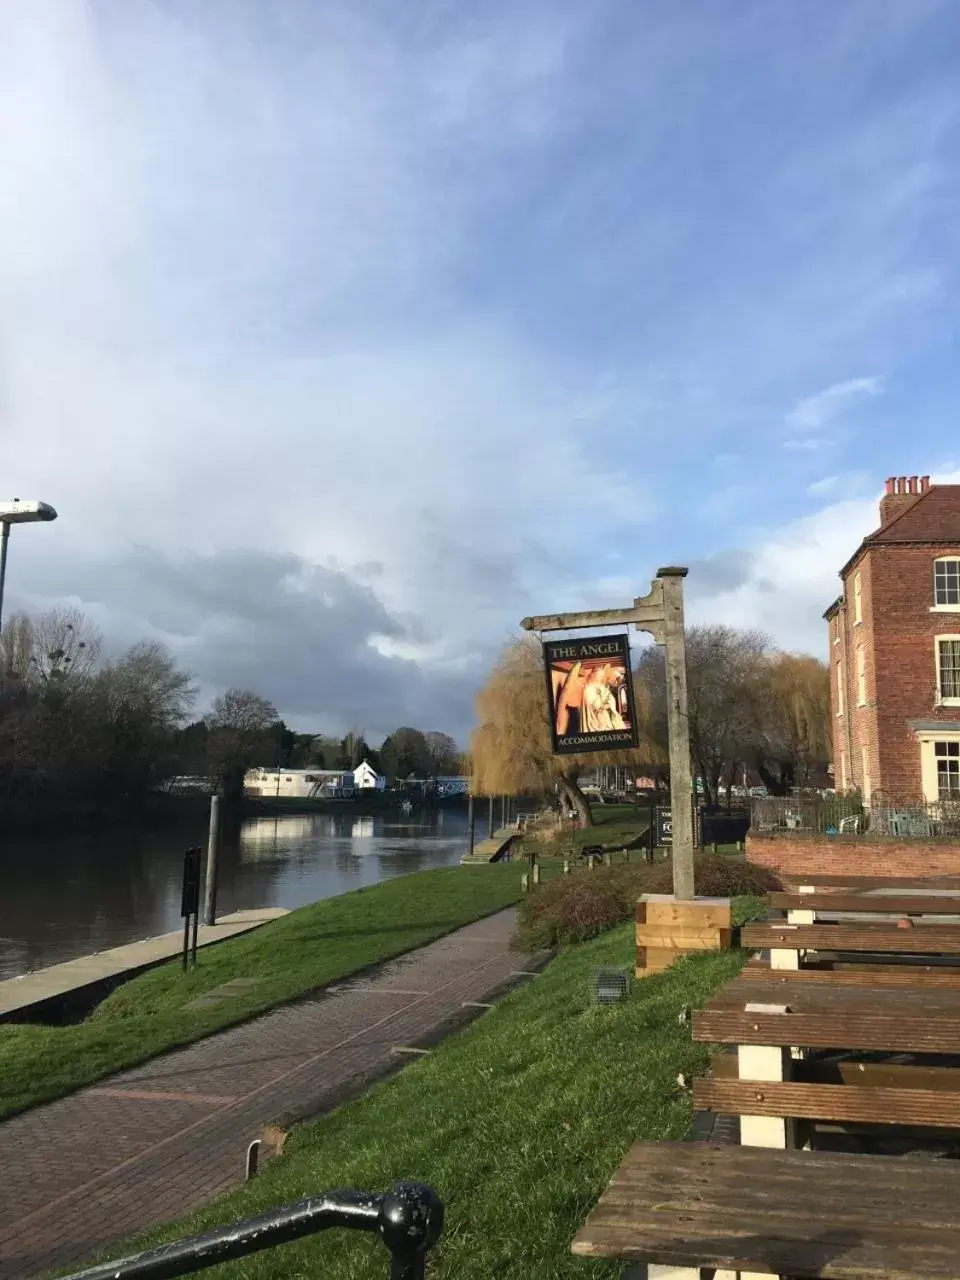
(861, 676)
(947, 757)
(857, 600)
(948, 670)
(946, 584)
(839, 688)
(844, 776)
(865, 783)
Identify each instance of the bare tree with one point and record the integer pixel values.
(511, 749)
(443, 752)
(65, 647)
(147, 685)
(239, 722)
(727, 699)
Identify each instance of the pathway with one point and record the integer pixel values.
(151, 1144)
(17, 994)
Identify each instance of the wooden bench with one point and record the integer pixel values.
(771, 1082)
(787, 942)
(687, 1207)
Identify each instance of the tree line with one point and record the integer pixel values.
(84, 736)
(751, 707)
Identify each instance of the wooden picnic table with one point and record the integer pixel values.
(852, 936)
(793, 1213)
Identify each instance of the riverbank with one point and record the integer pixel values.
(517, 1122)
(305, 950)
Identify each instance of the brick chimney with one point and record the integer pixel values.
(902, 492)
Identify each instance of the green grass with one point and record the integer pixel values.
(614, 825)
(517, 1122)
(306, 949)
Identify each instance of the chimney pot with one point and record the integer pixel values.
(890, 483)
(924, 483)
(914, 480)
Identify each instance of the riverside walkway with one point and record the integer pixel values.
(73, 976)
(151, 1144)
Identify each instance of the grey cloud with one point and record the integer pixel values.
(295, 632)
(717, 574)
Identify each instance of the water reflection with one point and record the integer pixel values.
(79, 894)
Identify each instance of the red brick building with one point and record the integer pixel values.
(895, 649)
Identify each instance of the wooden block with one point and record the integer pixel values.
(683, 938)
(656, 959)
(705, 913)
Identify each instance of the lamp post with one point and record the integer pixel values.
(14, 512)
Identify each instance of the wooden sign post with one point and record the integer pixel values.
(661, 614)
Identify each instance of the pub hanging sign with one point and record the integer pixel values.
(590, 694)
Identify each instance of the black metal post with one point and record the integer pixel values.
(490, 820)
(408, 1219)
(186, 941)
(472, 820)
(196, 930)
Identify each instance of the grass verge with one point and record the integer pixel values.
(518, 1122)
(307, 949)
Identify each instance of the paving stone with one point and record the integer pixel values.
(151, 1144)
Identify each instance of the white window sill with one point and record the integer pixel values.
(945, 608)
(947, 702)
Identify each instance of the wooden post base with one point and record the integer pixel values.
(669, 927)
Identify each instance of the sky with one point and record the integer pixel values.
(344, 334)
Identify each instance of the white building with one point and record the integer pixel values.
(312, 783)
(366, 778)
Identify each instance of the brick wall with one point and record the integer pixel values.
(793, 856)
(898, 635)
(906, 631)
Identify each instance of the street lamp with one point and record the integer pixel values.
(12, 512)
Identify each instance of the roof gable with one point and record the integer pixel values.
(934, 517)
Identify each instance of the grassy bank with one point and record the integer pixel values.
(289, 957)
(518, 1122)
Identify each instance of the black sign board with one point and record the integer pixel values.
(590, 694)
(663, 826)
(190, 897)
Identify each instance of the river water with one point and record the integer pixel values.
(70, 896)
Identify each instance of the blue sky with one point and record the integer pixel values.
(345, 335)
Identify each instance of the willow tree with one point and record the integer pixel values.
(795, 731)
(511, 750)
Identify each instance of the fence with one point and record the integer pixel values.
(408, 1219)
(907, 818)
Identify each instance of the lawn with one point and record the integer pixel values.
(614, 826)
(517, 1122)
(288, 957)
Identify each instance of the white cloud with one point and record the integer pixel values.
(815, 411)
(789, 575)
(820, 487)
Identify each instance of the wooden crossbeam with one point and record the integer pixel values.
(853, 1072)
(886, 978)
(899, 904)
(851, 1030)
(875, 938)
(830, 1102)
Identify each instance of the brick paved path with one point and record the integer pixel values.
(153, 1143)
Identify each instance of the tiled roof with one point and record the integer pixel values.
(933, 518)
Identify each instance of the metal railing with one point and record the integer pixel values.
(886, 814)
(408, 1219)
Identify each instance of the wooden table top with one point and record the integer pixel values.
(795, 1213)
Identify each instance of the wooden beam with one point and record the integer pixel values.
(905, 904)
(876, 938)
(829, 1102)
(854, 1072)
(647, 613)
(888, 977)
(904, 1034)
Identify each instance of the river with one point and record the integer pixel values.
(70, 896)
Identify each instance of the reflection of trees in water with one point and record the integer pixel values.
(73, 895)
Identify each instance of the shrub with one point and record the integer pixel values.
(576, 907)
(717, 876)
